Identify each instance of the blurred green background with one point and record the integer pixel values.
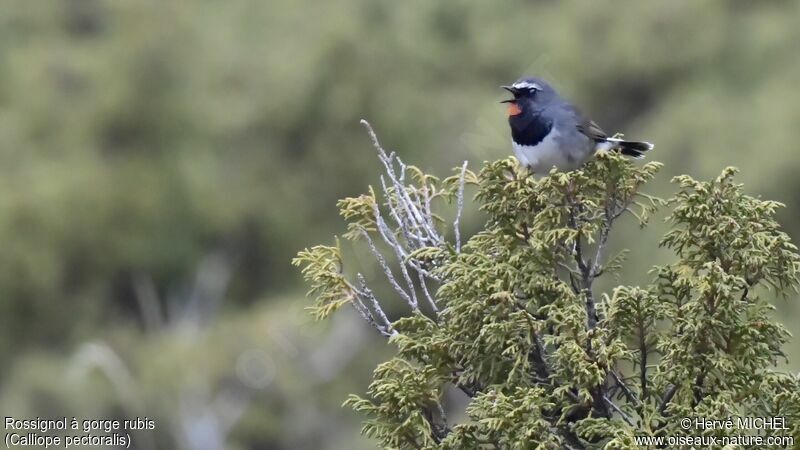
(162, 161)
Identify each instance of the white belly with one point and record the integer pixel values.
(544, 155)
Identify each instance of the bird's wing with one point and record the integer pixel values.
(586, 126)
(592, 130)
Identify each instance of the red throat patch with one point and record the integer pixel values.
(513, 109)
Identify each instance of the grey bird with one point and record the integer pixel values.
(547, 131)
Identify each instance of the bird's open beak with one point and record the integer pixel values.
(513, 92)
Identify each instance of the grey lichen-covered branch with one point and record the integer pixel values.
(512, 315)
(395, 222)
(408, 195)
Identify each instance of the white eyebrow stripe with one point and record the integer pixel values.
(526, 85)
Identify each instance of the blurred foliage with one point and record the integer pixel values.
(261, 380)
(138, 137)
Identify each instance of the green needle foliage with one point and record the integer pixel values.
(512, 318)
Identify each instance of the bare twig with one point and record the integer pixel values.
(427, 193)
(412, 211)
(459, 206)
(387, 329)
(601, 244)
(388, 272)
(413, 238)
(392, 242)
(411, 206)
(358, 301)
(425, 291)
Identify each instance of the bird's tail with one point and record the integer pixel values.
(630, 148)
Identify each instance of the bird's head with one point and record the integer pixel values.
(530, 94)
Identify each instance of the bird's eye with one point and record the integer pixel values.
(532, 91)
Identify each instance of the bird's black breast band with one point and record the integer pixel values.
(530, 129)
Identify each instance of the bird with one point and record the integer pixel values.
(548, 131)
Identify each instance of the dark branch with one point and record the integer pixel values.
(619, 411)
(667, 398)
(642, 358)
(625, 389)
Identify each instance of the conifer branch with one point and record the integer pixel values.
(521, 332)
